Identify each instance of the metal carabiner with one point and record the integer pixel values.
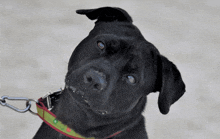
(3, 103)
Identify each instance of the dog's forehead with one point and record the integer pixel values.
(124, 33)
(120, 29)
(140, 50)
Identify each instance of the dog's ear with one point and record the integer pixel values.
(171, 85)
(107, 14)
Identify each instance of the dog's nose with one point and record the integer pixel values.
(95, 80)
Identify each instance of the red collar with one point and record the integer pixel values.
(50, 119)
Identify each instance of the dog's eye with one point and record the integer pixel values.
(101, 45)
(131, 79)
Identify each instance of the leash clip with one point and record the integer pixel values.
(28, 103)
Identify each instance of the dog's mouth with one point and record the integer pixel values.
(82, 100)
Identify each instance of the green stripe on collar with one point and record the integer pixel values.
(50, 119)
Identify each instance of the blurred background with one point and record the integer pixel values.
(37, 38)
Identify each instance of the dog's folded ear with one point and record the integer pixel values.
(171, 86)
(107, 14)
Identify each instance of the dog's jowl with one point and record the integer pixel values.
(110, 73)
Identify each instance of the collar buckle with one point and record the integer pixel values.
(51, 98)
(48, 100)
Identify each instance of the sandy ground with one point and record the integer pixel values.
(37, 38)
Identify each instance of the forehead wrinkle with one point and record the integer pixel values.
(120, 62)
(131, 63)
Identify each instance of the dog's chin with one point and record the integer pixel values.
(82, 101)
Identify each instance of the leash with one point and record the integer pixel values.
(44, 105)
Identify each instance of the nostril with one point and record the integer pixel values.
(89, 79)
(97, 86)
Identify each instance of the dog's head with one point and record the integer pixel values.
(114, 67)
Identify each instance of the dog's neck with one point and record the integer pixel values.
(87, 123)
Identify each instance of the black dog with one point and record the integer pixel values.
(110, 73)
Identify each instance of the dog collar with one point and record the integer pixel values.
(50, 119)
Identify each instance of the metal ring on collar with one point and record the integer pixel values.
(29, 103)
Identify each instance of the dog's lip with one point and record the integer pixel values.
(102, 112)
(79, 93)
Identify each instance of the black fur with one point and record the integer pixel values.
(106, 101)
